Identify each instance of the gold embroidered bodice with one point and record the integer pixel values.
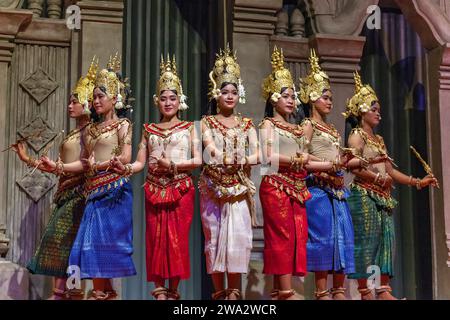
(289, 141)
(231, 141)
(105, 142)
(71, 147)
(373, 147)
(325, 141)
(174, 143)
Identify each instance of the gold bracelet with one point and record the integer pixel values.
(93, 169)
(31, 162)
(175, 169)
(384, 181)
(335, 166)
(128, 170)
(418, 186)
(292, 162)
(59, 169)
(142, 146)
(172, 167)
(377, 178)
(363, 164)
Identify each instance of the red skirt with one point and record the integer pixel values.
(285, 231)
(167, 231)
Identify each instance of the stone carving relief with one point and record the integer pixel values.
(431, 18)
(340, 17)
(40, 134)
(54, 9)
(39, 85)
(11, 4)
(290, 26)
(36, 185)
(4, 241)
(36, 6)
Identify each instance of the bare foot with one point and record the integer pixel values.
(323, 295)
(339, 296)
(367, 296)
(161, 297)
(386, 296)
(233, 294)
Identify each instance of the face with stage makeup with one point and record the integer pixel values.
(228, 97)
(324, 105)
(103, 102)
(285, 105)
(373, 116)
(168, 103)
(75, 109)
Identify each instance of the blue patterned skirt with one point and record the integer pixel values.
(104, 243)
(330, 231)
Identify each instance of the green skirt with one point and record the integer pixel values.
(52, 255)
(373, 231)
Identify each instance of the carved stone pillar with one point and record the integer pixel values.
(341, 17)
(431, 21)
(439, 153)
(13, 21)
(36, 6)
(101, 27)
(54, 9)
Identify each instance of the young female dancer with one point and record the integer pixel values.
(330, 240)
(169, 189)
(227, 205)
(103, 246)
(283, 193)
(370, 202)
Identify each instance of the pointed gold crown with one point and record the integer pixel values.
(169, 80)
(362, 101)
(109, 79)
(226, 69)
(315, 83)
(279, 78)
(84, 89)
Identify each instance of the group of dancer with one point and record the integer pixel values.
(312, 222)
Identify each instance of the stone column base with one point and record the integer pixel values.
(14, 281)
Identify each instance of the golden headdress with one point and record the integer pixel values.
(315, 83)
(169, 80)
(84, 89)
(226, 69)
(362, 100)
(279, 78)
(109, 79)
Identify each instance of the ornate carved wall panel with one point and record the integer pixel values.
(39, 90)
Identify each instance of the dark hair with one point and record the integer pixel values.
(94, 116)
(173, 91)
(212, 104)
